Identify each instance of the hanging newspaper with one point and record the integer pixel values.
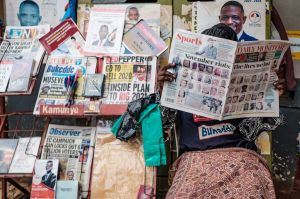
(128, 78)
(105, 33)
(247, 18)
(64, 39)
(73, 146)
(22, 43)
(53, 93)
(34, 12)
(223, 79)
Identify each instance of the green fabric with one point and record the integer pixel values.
(152, 134)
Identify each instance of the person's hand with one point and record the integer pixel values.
(164, 75)
(280, 84)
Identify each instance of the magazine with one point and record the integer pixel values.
(250, 25)
(5, 71)
(73, 146)
(142, 40)
(44, 179)
(25, 155)
(105, 33)
(22, 42)
(223, 79)
(44, 12)
(128, 78)
(53, 93)
(64, 39)
(93, 85)
(20, 76)
(7, 150)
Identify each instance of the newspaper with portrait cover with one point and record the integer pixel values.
(34, 12)
(105, 30)
(128, 78)
(44, 179)
(223, 79)
(53, 93)
(64, 39)
(22, 43)
(25, 155)
(73, 146)
(247, 18)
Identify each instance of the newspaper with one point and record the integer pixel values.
(22, 42)
(5, 71)
(45, 12)
(250, 26)
(73, 146)
(105, 31)
(142, 40)
(223, 79)
(25, 155)
(128, 78)
(44, 179)
(52, 95)
(64, 39)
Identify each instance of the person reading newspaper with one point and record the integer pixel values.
(228, 154)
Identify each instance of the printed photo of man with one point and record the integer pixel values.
(103, 37)
(49, 179)
(209, 51)
(29, 13)
(233, 14)
(133, 14)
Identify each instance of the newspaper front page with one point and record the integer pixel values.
(248, 22)
(128, 78)
(53, 91)
(219, 78)
(73, 146)
(22, 43)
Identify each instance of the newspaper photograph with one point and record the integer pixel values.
(105, 33)
(128, 78)
(248, 17)
(73, 146)
(216, 77)
(34, 12)
(53, 91)
(22, 42)
(44, 179)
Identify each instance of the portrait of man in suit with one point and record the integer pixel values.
(29, 13)
(233, 15)
(49, 179)
(103, 37)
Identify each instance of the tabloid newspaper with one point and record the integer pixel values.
(44, 179)
(142, 40)
(22, 42)
(7, 149)
(53, 94)
(20, 76)
(64, 39)
(223, 79)
(25, 155)
(73, 146)
(105, 30)
(206, 14)
(83, 17)
(128, 78)
(50, 12)
(5, 71)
